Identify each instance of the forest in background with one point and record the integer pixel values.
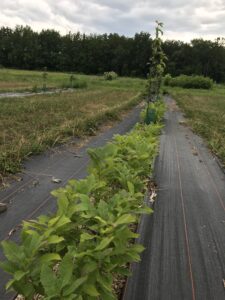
(23, 48)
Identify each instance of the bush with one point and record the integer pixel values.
(110, 75)
(159, 109)
(167, 79)
(189, 82)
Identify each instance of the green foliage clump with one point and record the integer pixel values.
(159, 109)
(75, 253)
(157, 66)
(110, 75)
(167, 79)
(189, 82)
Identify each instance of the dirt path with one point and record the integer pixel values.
(31, 197)
(185, 237)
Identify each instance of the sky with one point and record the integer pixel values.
(183, 19)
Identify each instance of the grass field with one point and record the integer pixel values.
(32, 124)
(205, 111)
(20, 80)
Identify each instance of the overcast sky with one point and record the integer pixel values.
(183, 19)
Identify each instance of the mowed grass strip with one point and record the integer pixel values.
(206, 113)
(32, 124)
(22, 80)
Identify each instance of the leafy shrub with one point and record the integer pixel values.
(189, 82)
(159, 109)
(75, 253)
(110, 75)
(167, 79)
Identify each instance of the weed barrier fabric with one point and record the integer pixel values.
(185, 237)
(31, 197)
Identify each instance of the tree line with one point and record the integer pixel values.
(24, 48)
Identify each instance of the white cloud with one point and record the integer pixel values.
(183, 19)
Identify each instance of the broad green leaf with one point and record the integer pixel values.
(12, 251)
(19, 275)
(104, 243)
(105, 282)
(74, 286)
(59, 221)
(90, 290)
(63, 204)
(55, 239)
(9, 267)
(86, 236)
(49, 257)
(100, 219)
(32, 242)
(89, 267)
(125, 219)
(66, 270)
(138, 248)
(48, 280)
(9, 284)
(130, 187)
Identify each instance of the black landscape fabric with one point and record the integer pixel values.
(185, 237)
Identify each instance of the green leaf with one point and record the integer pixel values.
(86, 236)
(66, 270)
(32, 242)
(101, 220)
(63, 204)
(59, 221)
(19, 275)
(9, 266)
(55, 239)
(48, 257)
(104, 243)
(9, 284)
(130, 187)
(12, 251)
(90, 290)
(138, 248)
(74, 286)
(89, 267)
(48, 280)
(125, 219)
(105, 282)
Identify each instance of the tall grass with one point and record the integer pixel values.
(32, 124)
(206, 113)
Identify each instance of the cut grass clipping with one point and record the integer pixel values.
(77, 252)
(31, 125)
